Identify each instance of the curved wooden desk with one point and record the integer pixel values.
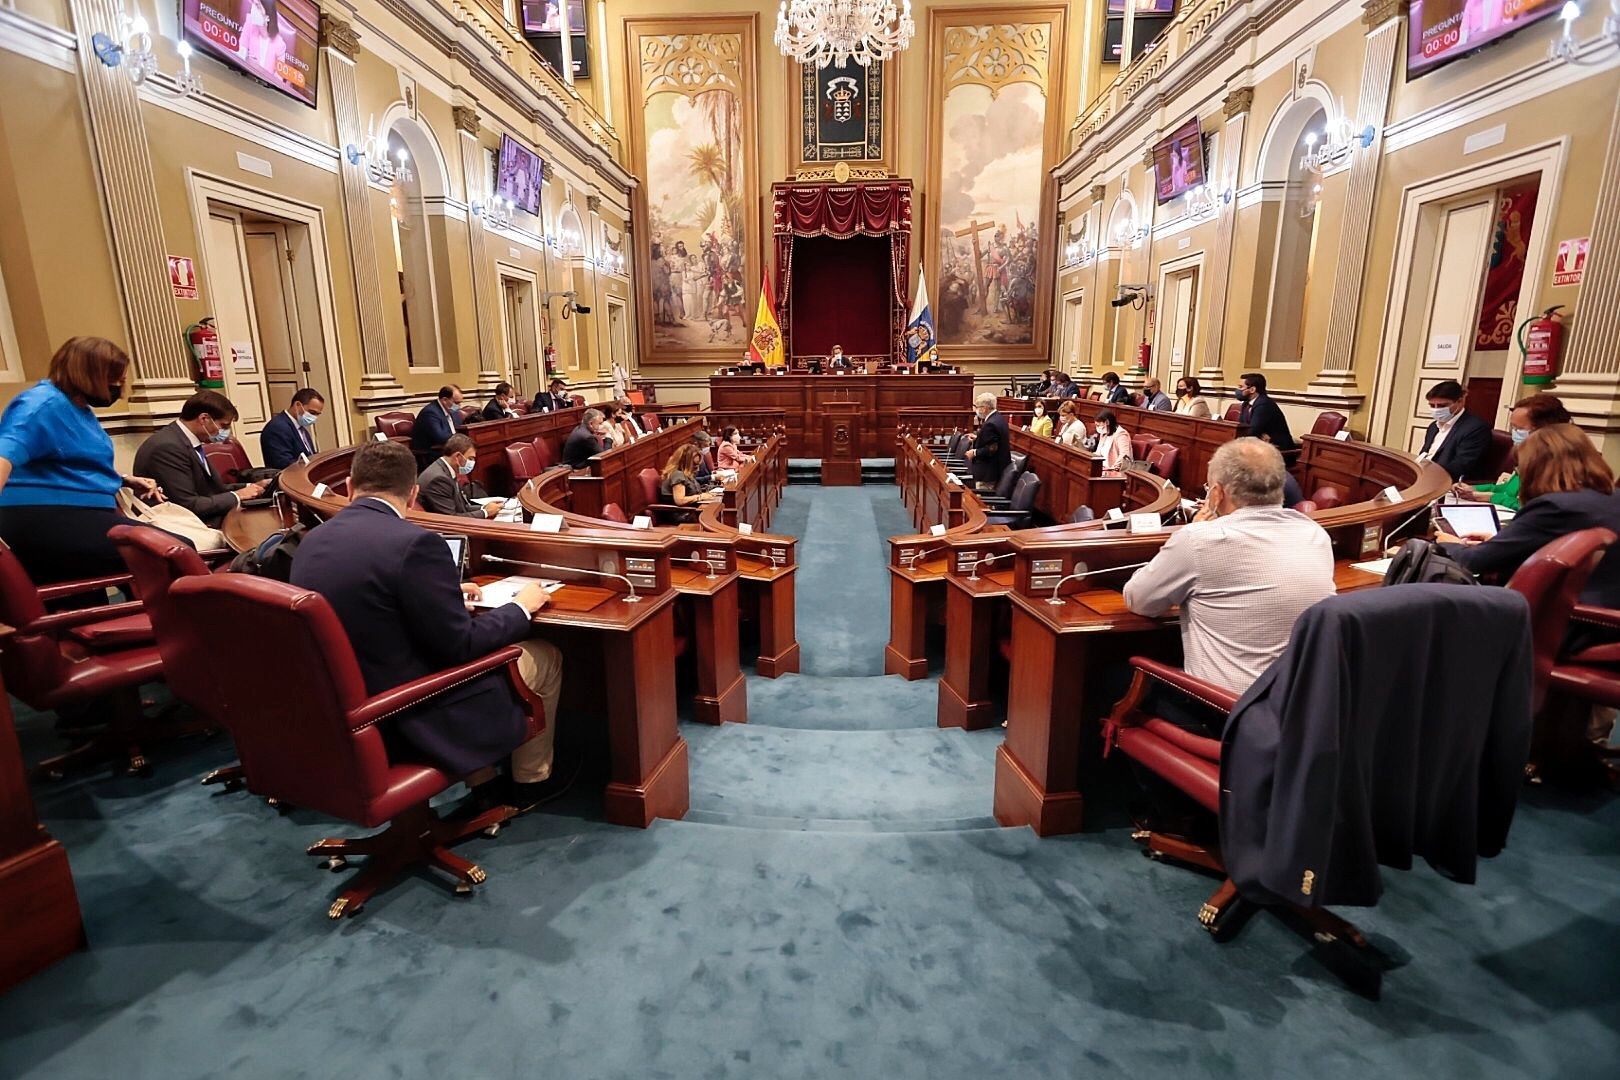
(618, 635)
(246, 528)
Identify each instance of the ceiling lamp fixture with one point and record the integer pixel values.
(823, 32)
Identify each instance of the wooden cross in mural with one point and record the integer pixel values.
(973, 229)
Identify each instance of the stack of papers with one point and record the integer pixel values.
(1376, 566)
(502, 592)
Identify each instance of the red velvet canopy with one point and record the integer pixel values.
(841, 211)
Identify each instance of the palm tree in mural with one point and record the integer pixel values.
(720, 109)
(707, 163)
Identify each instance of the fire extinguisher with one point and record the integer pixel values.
(551, 360)
(1540, 339)
(205, 358)
(1144, 353)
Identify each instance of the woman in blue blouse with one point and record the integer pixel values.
(57, 479)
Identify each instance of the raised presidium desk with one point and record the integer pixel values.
(1010, 599)
(840, 418)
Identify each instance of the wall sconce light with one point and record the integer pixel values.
(1308, 207)
(1131, 235)
(133, 52)
(1563, 47)
(1336, 141)
(496, 213)
(1202, 202)
(375, 158)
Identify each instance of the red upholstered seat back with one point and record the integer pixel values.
(227, 459)
(545, 457)
(520, 406)
(1162, 460)
(1327, 497)
(522, 462)
(1552, 580)
(1329, 423)
(650, 422)
(1140, 444)
(294, 738)
(471, 414)
(156, 561)
(396, 425)
(648, 479)
(1234, 413)
(31, 663)
(615, 512)
(577, 399)
(1500, 458)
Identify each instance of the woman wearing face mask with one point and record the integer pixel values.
(1041, 426)
(57, 480)
(730, 455)
(1189, 398)
(1531, 414)
(1113, 443)
(1071, 429)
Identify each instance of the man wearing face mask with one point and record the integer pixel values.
(992, 450)
(173, 456)
(1241, 572)
(441, 490)
(1529, 414)
(838, 361)
(288, 434)
(1457, 440)
(586, 440)
(1264, 416)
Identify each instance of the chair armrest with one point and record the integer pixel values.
(58, 621)
(1597, 616)
(47, 593)
(380, 706)
(1216, 697)
(1007, 517)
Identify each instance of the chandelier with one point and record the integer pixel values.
(826, 32)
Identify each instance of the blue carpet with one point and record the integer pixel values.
(835, 905)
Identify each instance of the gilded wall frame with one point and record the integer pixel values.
(693, 86)
(993, 55)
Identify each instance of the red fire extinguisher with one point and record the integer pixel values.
(1540, 339)
(551, 360)
(1144, 353)
(204, 342)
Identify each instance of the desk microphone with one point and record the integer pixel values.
(705, 563)
(973, 572)
(1057, 601)
(631, 599)
(916, 557)
(1425, 508)
(774, 560)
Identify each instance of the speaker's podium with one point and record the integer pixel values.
(840, 443)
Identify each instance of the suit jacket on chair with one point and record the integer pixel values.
(434, 426)
(1465, 449)
(397, 593)
(992, 449)
(440, 491)
(168, 457)
(282, 440)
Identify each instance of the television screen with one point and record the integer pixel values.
(1144, 7)
(518, 173)
(1146, 30)
(549, 46)
(1178, 161)
(274, 41)
(544, 16)
(1440, 31)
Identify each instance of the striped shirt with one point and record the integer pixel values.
(1241, 581)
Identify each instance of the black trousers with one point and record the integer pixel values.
(63, 543)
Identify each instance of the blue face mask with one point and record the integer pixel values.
(1442, 413)
(1520, 434)
(1238, 393)
(466, 468)
(222, 435)
(307, 420)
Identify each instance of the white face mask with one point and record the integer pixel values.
(1442, 413)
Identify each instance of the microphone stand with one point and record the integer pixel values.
(631, 599)
(1057, 601)
(973, 571)
(705, 563)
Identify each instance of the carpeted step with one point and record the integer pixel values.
(843, 703)
(890, 780)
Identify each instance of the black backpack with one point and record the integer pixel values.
(273, 558)
(1422, 562)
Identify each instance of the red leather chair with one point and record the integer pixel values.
(1141, 444)
(578, 399)
(228, 460)
(522, 463)
(662, 513)
(398, 426)
(615, 512)
(471, 414)
(1162, 459)
(1234, 413)
(1327, 497)
(328, 754)
(56, 660)
(1329, 423)
(520, 406)
(650, 422)
(1499, 459)
(544, 455)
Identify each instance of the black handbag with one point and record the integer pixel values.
(1422, 562)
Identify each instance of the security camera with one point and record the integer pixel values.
(1132, 296)
(581, 309)
(571, 304)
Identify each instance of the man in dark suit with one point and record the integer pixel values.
(440, 488)
(1065, 387)
(556, 398)
(438, 420)
(837, 361)
(288, 434)
(1264, 416)
(992, 448)
(587, 440)
(173, 456)
(398, 594)
(499, 407)
(1457, 440)
(1114, 393)
(1047, 385)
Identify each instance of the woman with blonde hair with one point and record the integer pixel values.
(1566, 486)
(1071, 429)
(678, 483)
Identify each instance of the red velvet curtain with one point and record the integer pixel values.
(841, 295)
(842, 211)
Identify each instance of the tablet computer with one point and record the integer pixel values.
(1470, 519)
(458, 552)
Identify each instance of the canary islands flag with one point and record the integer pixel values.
(765, 346)
(921, 347)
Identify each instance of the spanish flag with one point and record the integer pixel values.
(765, 346)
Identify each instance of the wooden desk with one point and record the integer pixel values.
(613, 475)
(39, 909)
(246, 528)
(492, 437)
(801, 399)
(617, 649)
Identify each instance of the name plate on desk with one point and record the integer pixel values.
(547, 523)
(642, 521)
(1145, 523)
(952, 478)
(937, 530)
(319, 492)
(744, 529)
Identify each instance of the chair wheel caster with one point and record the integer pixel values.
(54, 775)
(463, 888)
(137, 766)
(493, 830)
(341, 907)
(334, 863)
(476, 876)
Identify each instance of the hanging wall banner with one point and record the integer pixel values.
(1510, 239)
